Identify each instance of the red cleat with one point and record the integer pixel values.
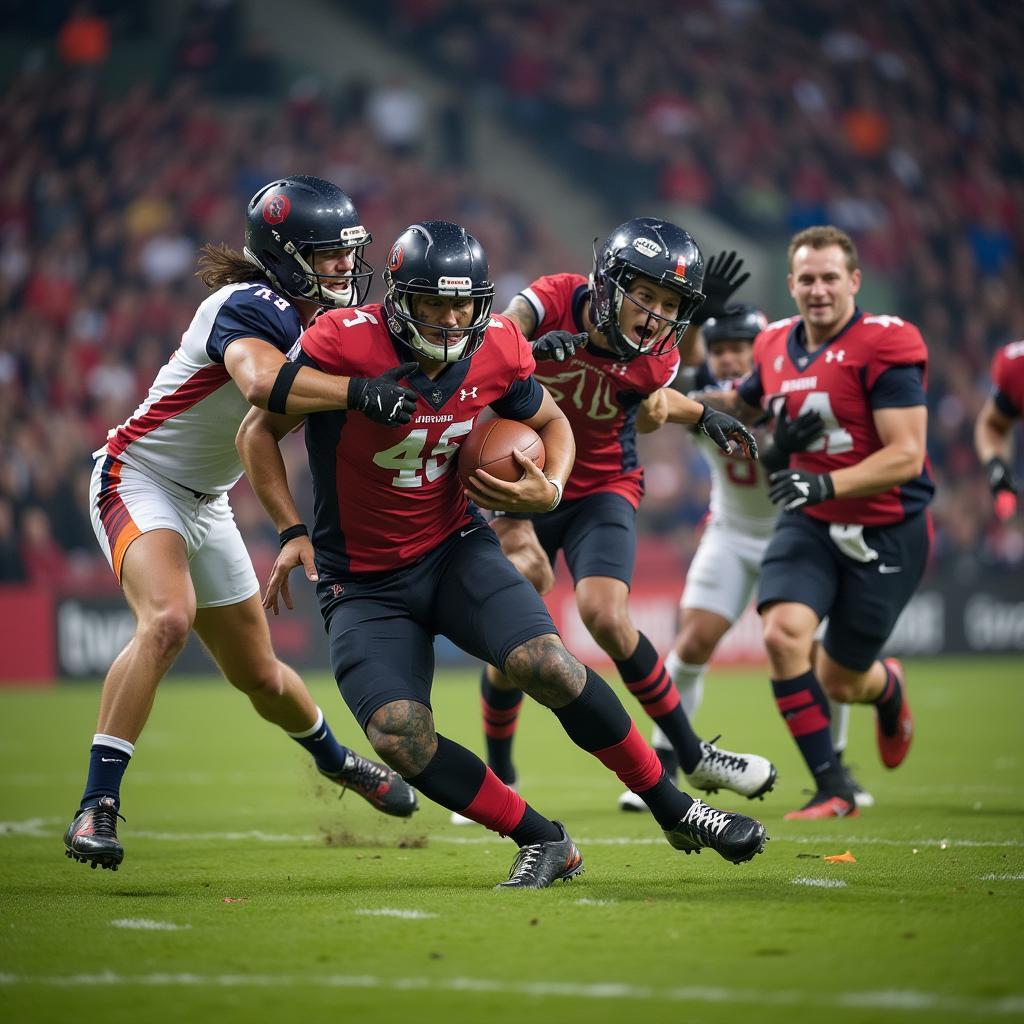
(894, 748)
(825, 805)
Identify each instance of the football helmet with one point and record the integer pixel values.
(739, 322)
(289, 220)
(437, 258)
(655, 249)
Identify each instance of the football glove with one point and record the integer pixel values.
(723, 428)
(722, 277)
(558, 345)
(796, 488)
(382, 399)
(1000, 476)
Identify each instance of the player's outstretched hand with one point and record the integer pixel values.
(722, 278)
(724, 429)
(382, 399)
(298, 551)
(558, 345)
(531, 493)
(797, 435)
(796, 488)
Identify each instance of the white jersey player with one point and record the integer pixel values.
(739, 524)
(159, 501)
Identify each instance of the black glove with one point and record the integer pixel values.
(795, 488)
(382, 399)
(1000, 476)
(558, 345)
(721, 428)
(722, 277)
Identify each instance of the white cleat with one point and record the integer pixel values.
(747, 774)
(629, 801)
(461, 819)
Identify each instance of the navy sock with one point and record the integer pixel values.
(889, 702)
(500, 710)
(645, 677)
(328, 753)
(804, 706)
(108, 761)
(669, 761)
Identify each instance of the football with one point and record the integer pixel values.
(489, 447)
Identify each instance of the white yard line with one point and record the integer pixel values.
(914, 1001)
(407, 915)
(144, 924)
(821, 883)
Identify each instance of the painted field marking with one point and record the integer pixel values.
(821, 883)
(896, 1000)
(1002, 878)
(407, 915)
(143, 924)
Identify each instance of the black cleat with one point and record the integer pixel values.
(91, 837)
(861, 797)
(378, 784)
(735, 837)
(538, 865)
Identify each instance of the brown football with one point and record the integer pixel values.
(489, 447)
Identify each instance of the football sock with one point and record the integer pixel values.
(645, 677)
(666, 755)
(457, 779)
(328, 753)
(501, 718)
(889, 702)
(108, 760)
(597, 722)
(804, 706)
(839, 724)
(689, 680)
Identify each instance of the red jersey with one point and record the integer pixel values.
(386, 496)
(875, 362)
(1008, 379)
(599, 393)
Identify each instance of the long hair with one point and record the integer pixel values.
(219, 265)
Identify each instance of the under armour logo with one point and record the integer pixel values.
(464, 394)
(837, 356)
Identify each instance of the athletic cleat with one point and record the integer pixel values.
(747, 774)
(894, 748)
(629, 801)
(538, 865)
(378, 784)
(861, 797)
(826, 805)
(735, 837)
(91, 838)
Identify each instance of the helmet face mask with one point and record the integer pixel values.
(663, 255)
(289, 221)
(438, 260)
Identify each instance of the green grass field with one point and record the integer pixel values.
(249, 892)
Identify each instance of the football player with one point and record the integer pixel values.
(159, 495)
(399, 555)
(854, 537)
(609, 344)
(994, 426)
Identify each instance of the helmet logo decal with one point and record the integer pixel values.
(352, 234)
(646, 247)
(395, 257)
(276, 209)
(680, 270)
(454, 285)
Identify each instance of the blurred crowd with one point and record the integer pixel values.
(904, 125)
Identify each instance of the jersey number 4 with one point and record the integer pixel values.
(836, 439)
(412, 464)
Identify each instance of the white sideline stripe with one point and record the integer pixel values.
(585, 902)
(143, 924)
(407, 915)
(886, 999)
(821, 883)
(1002, 878)
(45, 828)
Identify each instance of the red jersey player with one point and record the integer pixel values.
(643, 292)
(853, 540)
(401, 555)
(995, 422)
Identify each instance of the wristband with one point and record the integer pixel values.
(298, 530)
(558, 494)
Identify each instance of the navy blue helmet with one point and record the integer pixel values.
(739, 322)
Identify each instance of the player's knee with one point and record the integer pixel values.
(783, 640)
(695, 646)
(264, 680)
(402, 734)
(166, 631)
(543, 668)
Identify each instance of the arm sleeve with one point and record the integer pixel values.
(253, 313)
(550, 296)
(899, 387)
(521, 401)
(750, 389)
